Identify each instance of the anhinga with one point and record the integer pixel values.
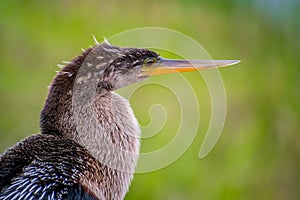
(90, 139)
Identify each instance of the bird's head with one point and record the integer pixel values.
(115, 67)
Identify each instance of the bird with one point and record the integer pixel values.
(89, 139)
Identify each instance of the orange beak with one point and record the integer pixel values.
(167, 66)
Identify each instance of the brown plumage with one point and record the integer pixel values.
(89, 142)
(61, 144)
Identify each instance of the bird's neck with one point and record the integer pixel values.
(99, 120)
(107, 126)
(55, 115)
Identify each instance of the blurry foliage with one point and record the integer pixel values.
(258, 154)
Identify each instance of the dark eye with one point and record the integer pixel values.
(149, 61)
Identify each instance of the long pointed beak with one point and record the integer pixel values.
(167, 66)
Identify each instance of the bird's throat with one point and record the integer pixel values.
(108, 126)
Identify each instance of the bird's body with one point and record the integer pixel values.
(72, 163)
(89, 142)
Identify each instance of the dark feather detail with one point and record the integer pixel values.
(52, 169)
(78, 193)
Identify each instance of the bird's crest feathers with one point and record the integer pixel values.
(95, 40)
(106, 42)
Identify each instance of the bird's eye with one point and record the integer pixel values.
(149, 61)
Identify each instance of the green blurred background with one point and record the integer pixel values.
(258, 154)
